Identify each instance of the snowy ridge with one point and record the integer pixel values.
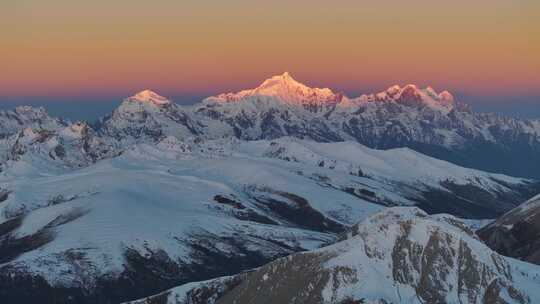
(401, 164)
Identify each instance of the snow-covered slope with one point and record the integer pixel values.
(400, 255)
(516, 233)
(381, 175)
(148, 220)
(171, 212)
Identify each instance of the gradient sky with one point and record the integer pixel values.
(65, 48)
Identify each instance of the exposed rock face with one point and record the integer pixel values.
(516, 233)
(400, 255)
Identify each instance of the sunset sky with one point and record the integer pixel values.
(64, 48)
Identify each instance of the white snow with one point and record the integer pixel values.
(284, 88)
(149, 96)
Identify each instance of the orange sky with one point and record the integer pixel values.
(70, 48)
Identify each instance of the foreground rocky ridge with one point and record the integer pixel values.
(400, 255)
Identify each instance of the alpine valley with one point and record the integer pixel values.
(278, 194)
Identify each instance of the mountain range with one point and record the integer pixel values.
(421, 119)
(158, 195)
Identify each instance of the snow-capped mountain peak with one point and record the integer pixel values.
(446, 96)
(412, 95)
(410, 92)
(149, 96)
(427, 95)
(393, 90)
(273, 85)
(147, 115)
(285, 89)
